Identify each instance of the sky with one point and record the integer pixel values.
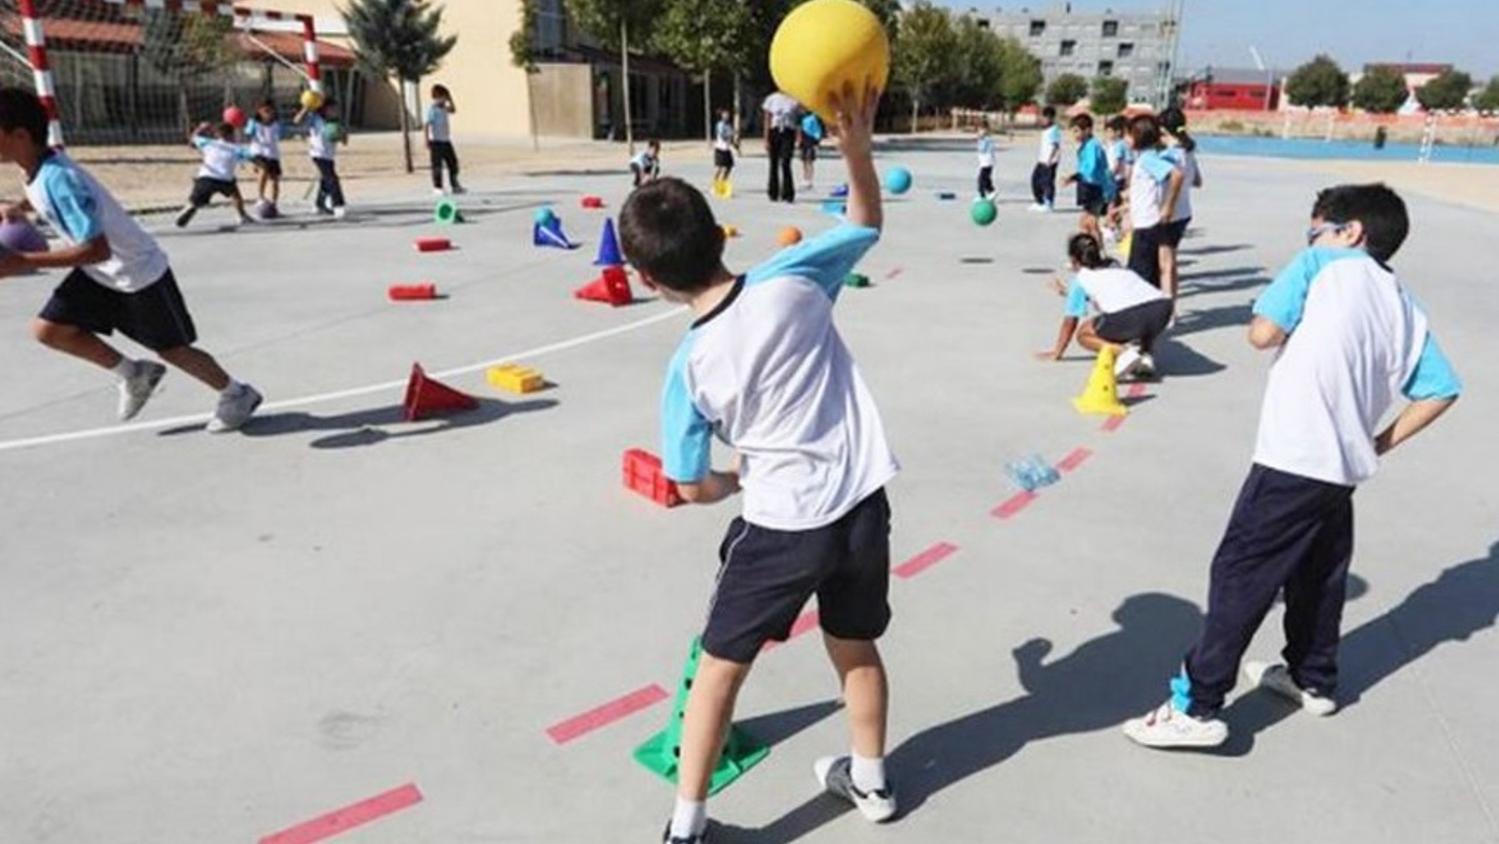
(1289, 32)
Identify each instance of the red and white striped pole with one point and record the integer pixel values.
(36, 50)
(309, 54)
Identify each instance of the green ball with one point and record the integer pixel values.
(983, 212)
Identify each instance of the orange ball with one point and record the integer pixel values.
(789, 236)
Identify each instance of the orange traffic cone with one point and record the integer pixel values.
(425, 397)
(1101, 395)
(612, 287)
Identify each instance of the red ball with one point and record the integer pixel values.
(235, 117)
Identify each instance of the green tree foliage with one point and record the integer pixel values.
(398, 38)
(926, 50)
(1108, 95)
(979, 71)
(1066, 89)
(703, 36)
(186, 48)
(1487, 100)
(1380, 90)
(1448, 91)
(1319, 82)
(616, 23)
(1020, 75)
(523, 54)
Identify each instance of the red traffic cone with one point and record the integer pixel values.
(612, 287)
(425, 397)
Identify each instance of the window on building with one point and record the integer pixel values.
(1068, 47)
(1038, 28)
(1110, 29)
(1126, 50)
(983, 23)
(1105, 68)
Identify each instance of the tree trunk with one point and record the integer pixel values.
(708, 104)
(738, 105)
(915, 114)
(624, 63)
(182, 109)
(406, 129)
(531, 103)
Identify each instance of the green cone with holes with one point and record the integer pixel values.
(741, 751)
(856, 280)
(446, 212)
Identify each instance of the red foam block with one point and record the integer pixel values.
(591, 201)
(433, 244)
(642, 473)
(412, 292)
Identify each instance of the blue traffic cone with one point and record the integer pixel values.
(608, 247)
(550, 233)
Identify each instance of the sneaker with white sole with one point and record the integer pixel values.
(698, 838)
(835, 773)
(1277, 678)
(1126, 360)
(1038, 208)
(1166, 727)
(234, 410)
(1145, 367)
(340, 212)
(136, 390)
(185, 216)
(459, 190)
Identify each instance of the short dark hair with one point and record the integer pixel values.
(1380, 210)
(1083, 122)
(1145, 131)
(1173, 120)
(1085, 249)
(20, 109)
(1049, 112)
(224, 130)
(668, 232)
(1116, 124)
(440, 90)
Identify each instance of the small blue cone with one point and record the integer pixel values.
(608, 247)
(550, 234)
(841, 190)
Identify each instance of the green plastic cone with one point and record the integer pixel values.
(446, 212)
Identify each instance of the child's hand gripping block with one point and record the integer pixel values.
(642, 473)
(515, 378)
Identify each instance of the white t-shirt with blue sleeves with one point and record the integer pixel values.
(769, 375)
(220, 158)
(1051, 142)
(437, 123)
(80, 209)
(986, 151)
(1109, 289)
(265, 138)
(1356, 340)
(1186, 162)
(1147, 188)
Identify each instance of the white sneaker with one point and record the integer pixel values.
(234, 410)
(834, 773)
(1145, 367)
(1126, 361)
(1038, 208)
(439, 192)
(459, 189)
(136, 390)
(1165, 727)
(1276, 678)
(340, 212)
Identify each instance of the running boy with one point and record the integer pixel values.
(1348, 337)
(725, 143)
(324, 134)
(440, 139)
(1048, 155)
(986, 163)
(1131, 313)
(265, 131)
(120, 278)
(1095, 185)
(764, 369)
(221, 155)
(646, 165)
(1154, 184)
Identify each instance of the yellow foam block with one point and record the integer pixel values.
(515, 378)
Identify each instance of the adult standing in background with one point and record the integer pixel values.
(782, 118)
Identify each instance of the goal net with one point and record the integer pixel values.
(128, 72)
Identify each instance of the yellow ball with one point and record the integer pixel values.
(311, 99)
(824, 44)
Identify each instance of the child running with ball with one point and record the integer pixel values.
(764, 369)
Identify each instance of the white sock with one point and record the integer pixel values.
(232, 388)
(868, 772)
(688, 818)
(124, 369)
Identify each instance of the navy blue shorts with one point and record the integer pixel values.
(155, 317)
(1172, 233)
(767, 576)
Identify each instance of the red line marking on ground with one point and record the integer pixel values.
(925, 560)
(893, 273)
(602, 716)
(804, 622)
(345, 819)
(1073, 460)
(1135, 390)
(1112, 423)
(1012, 505)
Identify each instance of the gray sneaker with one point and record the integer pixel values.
(668, 838)
(136, 390)
(835, 775)
(234, 409)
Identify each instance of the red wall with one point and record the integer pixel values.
(1242, 96)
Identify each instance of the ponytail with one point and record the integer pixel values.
(1085, 249)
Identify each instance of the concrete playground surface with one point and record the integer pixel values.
(337, 625)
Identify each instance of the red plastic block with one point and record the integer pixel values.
(412, 292)
(642, 473)
(591, 201)
(433, 244)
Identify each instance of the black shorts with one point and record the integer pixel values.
(271, 166)
(723, 158)
(1141, 323)
(1145, 253)
(1090, 198)
(767, 576)
(204, 189)
(809, 152)
(1172, 233)
(155, 317)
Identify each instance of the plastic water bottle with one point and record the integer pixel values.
(1043, 470)
(1023, 474)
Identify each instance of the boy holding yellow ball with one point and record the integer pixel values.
(763, 367)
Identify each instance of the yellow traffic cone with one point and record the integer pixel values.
(1124, 245)
(723, 188)
(1100, 395)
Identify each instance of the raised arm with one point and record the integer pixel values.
(855, 116)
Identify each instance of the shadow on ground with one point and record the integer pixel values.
(375, 425)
